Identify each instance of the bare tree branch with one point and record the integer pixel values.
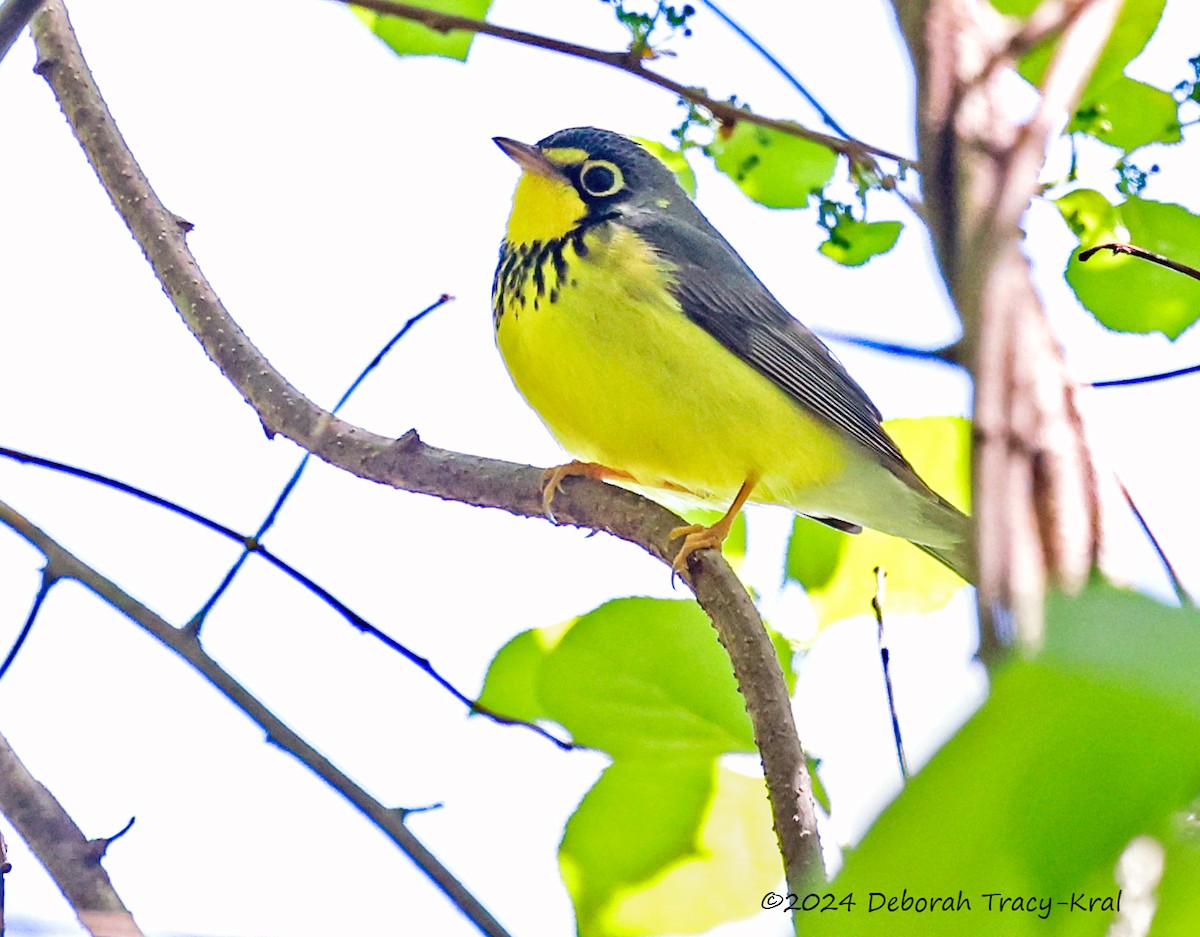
(187, 646)
(72, 860)
(14, 16)
(409, 464)
(633, 63)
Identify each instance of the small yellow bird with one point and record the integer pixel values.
(653, 354)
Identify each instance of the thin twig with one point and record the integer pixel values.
(1176, 583)
(48, 580)
(947, 355)
(778, 66)
(633, 64)
(185, 644)
(1135, 251)
(251, 545)
(885, 659)
(409, 464)
(1147, 378)
(72, 860)
(268, 522)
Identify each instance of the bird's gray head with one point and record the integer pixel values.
(611, 174)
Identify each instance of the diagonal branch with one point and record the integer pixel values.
(187, 646)
(631, 62)
(409, 464)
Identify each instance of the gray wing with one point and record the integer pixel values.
(721, 294)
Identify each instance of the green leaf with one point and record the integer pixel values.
(633, 676)
(1179, 893)
(667, 840)
(1134, 26)
(511, 684)
(673, 846)
(1076, 752)
(404, 37)
(1126, 293)
(815, 553)
(773, 168)
(1091, 217)
(1016, 7)
(675, 161)
(853, 243)
(1129, 114)
(836, 569)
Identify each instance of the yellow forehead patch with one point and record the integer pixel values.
(565, 155)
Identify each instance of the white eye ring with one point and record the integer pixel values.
(599, 178)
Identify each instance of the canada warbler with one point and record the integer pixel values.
(654, 354)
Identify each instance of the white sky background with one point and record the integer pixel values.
(336, 190)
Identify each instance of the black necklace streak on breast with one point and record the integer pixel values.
(541, 265)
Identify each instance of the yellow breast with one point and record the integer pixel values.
(600, 348)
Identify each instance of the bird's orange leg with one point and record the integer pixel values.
(552, 478)
(698, 537)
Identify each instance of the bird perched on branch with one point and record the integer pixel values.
(654, 355)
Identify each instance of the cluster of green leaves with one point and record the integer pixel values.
(784, 171)
(1123, 292)
(670, 839)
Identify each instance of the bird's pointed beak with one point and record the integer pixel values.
(528, 157)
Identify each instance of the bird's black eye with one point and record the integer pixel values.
(600, 178)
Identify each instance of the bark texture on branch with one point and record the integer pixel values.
(1037, 500)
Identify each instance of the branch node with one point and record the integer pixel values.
(410, 440)
(96, 848)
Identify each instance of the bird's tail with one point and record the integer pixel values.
(959, 557)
